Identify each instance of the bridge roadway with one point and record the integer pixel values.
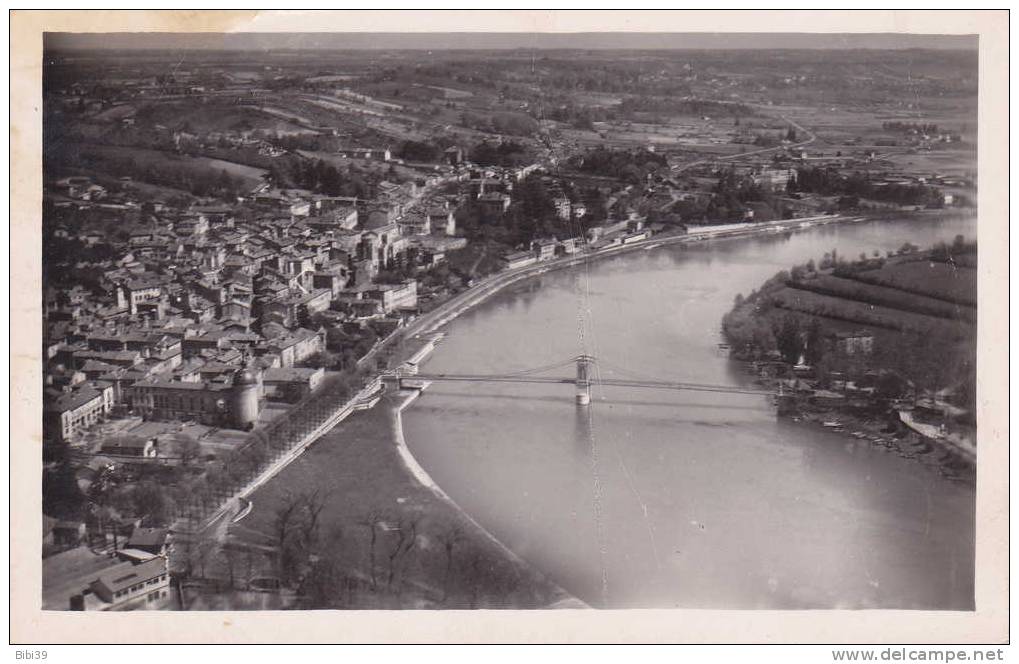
(606, 382)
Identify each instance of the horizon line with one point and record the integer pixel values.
(504, 41)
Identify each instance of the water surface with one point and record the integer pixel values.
(651, 498)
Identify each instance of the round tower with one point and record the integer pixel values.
(244, 399)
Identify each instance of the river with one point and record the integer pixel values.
(661, 499)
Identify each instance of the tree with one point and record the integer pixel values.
(198, 548)
(184, 447)
(891, 385)
(323, 359)
(284, 524)
(814, 347)
(372, 520)
(61, 496)
(405, 531)
(230, 556)
(295, 530)
(323, 583)
(151, 502)
(418, 151)
(450, 539)
(99, 494)
(312, 503)
(788, 341)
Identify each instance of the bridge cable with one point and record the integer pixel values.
(534, 370)
(736, 389)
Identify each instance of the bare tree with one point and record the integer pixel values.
(450, 539)
(249, 564)
(206, 546)
(475, 566)
(372, 520)
(186, 448)
(295, 530)
(231, 555)
(312, 502)
(196, 546)
(99, 494)
(287, 515)
(321, 586)
(406, 532)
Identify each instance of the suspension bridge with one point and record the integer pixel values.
(586, 376)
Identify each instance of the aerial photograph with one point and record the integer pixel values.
(428, 321)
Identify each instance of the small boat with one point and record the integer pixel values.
(831, 424)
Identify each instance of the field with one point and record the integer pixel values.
(908, 294)
(837, 308)
(853, 131)
(199, 117)
(936, 280)
(884, 296)
(154, 167)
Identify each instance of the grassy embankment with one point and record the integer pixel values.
(368, 492)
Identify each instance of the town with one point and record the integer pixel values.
(235, 249)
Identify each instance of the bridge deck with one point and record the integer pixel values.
(605, 382)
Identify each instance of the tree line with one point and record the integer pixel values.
(911, 127)
(190, 176)
(322, 177)
(503, 153)
(628, 165)
(828, 181)
(702, 107)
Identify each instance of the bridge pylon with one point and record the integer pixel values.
(584, 364)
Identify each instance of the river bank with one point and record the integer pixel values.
(880, 434)
(563, 599)
(886, 433)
